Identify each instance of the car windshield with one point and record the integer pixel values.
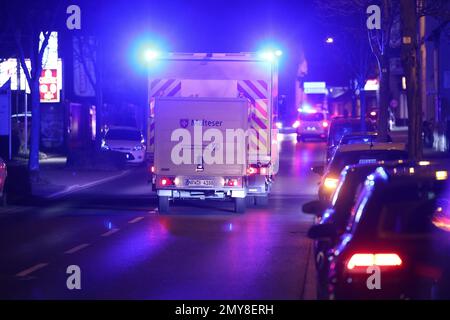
(311, 116)
(123, 134)
(342, 159)
(409, 210)
(338, 130)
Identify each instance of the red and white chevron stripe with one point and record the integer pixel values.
(165, 88)
(258, 93)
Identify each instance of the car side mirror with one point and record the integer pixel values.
(318, 169)
(314, 207)
(322, 231)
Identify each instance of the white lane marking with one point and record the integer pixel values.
(110, 232)
(31, 270)
(77, 248)
(77, 187)
(136, 220)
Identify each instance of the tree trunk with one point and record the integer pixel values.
(410, 64)
(383, 114)
(33, 161)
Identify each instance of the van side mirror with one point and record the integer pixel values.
(318, 170)
(322, 231)
(314, 207)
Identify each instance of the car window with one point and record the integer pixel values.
(362, 196)
(356, 140)
(311, 117)
(412, 210)
(338, 130)
(123, 134)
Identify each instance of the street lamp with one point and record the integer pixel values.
(329, 40)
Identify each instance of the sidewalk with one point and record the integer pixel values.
(56, 179)
(400, 134)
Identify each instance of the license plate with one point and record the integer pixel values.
(367, 161)
(311, 128)
(199, 182)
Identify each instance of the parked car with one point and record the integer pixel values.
(340, 127)
(362, 137)
(399, 226)
(355, 154)
(338, 211)
(127, 140)
(3, 175)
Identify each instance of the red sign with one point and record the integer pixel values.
(48, 86)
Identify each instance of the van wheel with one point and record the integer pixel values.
(262, 201)
(239, 205)
(163, 204)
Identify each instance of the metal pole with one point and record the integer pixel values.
(10, 124)
(26, 121)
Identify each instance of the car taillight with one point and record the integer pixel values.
(252, 171)
(231, 182)
(166, 181)
(325, 124)
(370, 259)
(263, 171)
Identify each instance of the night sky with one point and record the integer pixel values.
(216, 26)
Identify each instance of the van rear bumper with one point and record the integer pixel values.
(202, 193)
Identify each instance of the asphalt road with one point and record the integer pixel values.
(202, 250)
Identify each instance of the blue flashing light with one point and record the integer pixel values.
(151, 55)
(306, 108)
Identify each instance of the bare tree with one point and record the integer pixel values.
(26, 25)
(352, 16)
(87, 54)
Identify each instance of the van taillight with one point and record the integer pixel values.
(231, 182)
(166, 181)
(364, 260)
(255, 170)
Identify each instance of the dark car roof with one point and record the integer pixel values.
(346, 120)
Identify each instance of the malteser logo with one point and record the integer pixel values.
(184, 123)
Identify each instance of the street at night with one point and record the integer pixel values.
(224, 158)
(127, 250)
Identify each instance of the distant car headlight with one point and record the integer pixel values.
(104, 146)
(279, 125)
(138, 148)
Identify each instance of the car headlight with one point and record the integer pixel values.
(104, 146)
(330, 183)
(138, 148)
